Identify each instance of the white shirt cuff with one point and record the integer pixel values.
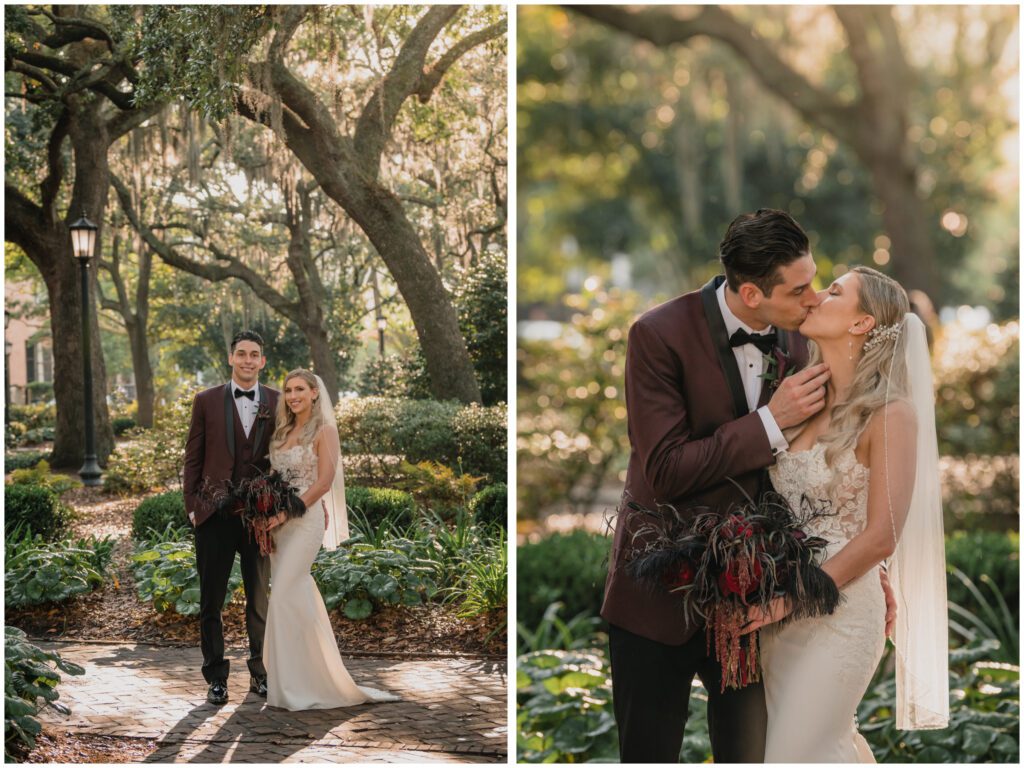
(775, 438)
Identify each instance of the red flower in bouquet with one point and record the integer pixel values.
(741, 577)
(683, 575)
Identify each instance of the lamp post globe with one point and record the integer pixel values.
(83, 243)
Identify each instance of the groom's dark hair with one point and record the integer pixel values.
(757, 244)
(246, 336)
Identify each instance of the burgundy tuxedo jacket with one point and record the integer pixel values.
(217, 450)
(690, 430)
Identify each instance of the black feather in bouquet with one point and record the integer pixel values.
(258, 499)
(722, 565)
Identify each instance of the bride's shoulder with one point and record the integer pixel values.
(895, 418)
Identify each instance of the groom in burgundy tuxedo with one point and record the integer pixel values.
(707, 397)
(228, 440)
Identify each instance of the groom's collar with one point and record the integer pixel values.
(733, 323)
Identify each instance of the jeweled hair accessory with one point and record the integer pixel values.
(877, 336)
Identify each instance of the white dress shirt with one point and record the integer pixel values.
(246, 408)
(751, 365)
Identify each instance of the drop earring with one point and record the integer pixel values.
(849, 343)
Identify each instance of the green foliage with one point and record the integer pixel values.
(37, 572)
(482, 301)
(471, 437)
(36, 508)
(22, 460)
(30, 674)
(439, 488)
(484, 586)
(154, 514)
(564, 711)
(572, 413)
(984, 714)
(992, 618)
(378, 506)
(566, 567)
(977, 553)
(977, 378)
(40, 475)
(384, 377)
(490, 506)
(165, 574)
(14, 433)
(980, 491)
(555, 634)
(37, 416)
(122, 424)
(360, 578)
(152, 457)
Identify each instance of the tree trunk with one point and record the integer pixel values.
(145, 392)
(380, 215)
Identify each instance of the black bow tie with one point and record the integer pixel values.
(763, 341)
(251, 394)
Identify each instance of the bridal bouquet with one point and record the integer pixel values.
(258, 499)
(722, 565)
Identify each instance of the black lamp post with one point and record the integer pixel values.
(83, 242)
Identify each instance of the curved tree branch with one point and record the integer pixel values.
(433, 75)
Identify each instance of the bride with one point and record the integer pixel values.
(870, 456)
(304, 667)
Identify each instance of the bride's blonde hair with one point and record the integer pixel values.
(881, 370)
(286, 418)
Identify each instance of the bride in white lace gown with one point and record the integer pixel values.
(304, 667)
(862, 457)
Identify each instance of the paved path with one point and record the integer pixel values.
(452, 710)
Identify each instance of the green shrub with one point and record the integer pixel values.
(359, 578)
(992, 553)
(40, 475)
(470, 437)
(439, 488)
(556, 634)
(484, 587)
(37, 436)
(151, 458)
(154, 514)
(35, 508)
(166, 575)
(481, 440)
(37, 572)
(565, 567)
(14, 433)
(490, 506)
(122, 424)
(482, 301)
(22, 460)
(977, 378)
(378, 505)
(384, 377)
(30, 674)
(35, 416)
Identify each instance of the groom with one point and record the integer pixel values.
(707, 398)
(228, 440)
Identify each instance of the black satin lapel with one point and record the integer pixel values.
(720, 339)
(260, 423)
(229, 419)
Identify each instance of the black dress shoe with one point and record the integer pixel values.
(218, 693)
(258, 685)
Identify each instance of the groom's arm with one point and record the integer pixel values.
(675, 462)
(195, 456)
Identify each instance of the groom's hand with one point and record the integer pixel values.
(890, 604)
(800, 396)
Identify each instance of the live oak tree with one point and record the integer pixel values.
(68, 97)
(266, 70)
(874, 125)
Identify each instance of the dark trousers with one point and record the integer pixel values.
(217, 540)
(651, 693)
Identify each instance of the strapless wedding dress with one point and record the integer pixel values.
(816, 671)
(304, 667)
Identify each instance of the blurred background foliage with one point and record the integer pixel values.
(633, 158)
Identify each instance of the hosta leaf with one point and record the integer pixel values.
(357, 609)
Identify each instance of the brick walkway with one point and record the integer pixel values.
(452, 710)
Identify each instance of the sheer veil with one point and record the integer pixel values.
(334, 499)
(917, 569)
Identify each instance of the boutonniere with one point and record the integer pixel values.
(775, 368)
(263, 412)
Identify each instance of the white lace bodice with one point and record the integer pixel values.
(296, 464)
(805, 473)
